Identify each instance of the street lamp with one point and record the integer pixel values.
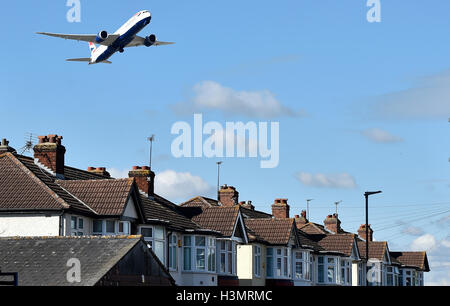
(366, 195)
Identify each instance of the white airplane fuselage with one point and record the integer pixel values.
(127, 33)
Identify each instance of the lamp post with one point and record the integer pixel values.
(366, 195)
(218, 179)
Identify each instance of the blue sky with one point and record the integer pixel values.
(374, 98)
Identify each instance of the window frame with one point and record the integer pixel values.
(193, 249)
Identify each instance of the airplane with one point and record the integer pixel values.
(126, 36)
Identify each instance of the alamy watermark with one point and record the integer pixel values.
(74, 273)
(374, 13)
(74, 13)
(237, 139)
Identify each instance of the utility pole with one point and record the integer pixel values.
(307, 207)
(151, 139)
(218, 179)
(366, 195)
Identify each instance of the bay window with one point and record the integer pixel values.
(345, 276)
(199, 253)
(154, 236)
(104, 227)
(327, 269)
(173, 252)
(278, 259)
(269, 262)
(124, 228)
(389, 276)
(302, 265)
(227, 251)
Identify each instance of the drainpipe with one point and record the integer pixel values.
(61, 233)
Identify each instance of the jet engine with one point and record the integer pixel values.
(150, 40)
(101, 37)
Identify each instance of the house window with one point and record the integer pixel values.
(257, 260)
(97, 227)
(299, 264)
(326, 269)
(211, 254)
(227, 252)
(76, 226)
(278, 259)
(390, 276)
(110, 227)
(173, 252)
(408, 278)
(154, 236)
(345, 278)
(269, 260)
(187, 253)
(321, 269)
(124, 228)
(203, 249)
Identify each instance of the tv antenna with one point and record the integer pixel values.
(337, 203)
(307, 207)
(29, 143)
(151, 139)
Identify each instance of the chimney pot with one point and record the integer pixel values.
(91, 169)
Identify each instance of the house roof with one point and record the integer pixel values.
(339, 243)
(313, 229)
(159, 210)
(105, 197)
(416, 260)
(307, 242)
(220, 219)
(273, 231)
(377, 249)
(43, 261)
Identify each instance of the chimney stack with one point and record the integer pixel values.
(100, 171)
(362, 232)
(49, 152)
(301, 220)
(228, 196)
(332, 223)
(145, 179)
(4, 147)
(280, 209)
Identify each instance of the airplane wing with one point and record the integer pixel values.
(139, 41)
(83, 37)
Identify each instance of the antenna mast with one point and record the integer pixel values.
(151, 139)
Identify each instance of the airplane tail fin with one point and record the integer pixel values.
(92, 47)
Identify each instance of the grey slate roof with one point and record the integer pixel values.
(43, 261)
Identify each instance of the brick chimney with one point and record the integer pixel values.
(4, 147)
(332, 223)
(100, 171)
(280, 209)
(145, 179)
(247, 205)
(49, 152)
(228, 196)
(362, 232)
(301, 220)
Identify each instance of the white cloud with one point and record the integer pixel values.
(429, 99)
(425, 242)
(380, 136)
(438, 254)
(413, 231)
(341, 180)
(181, 185)
(209, 95)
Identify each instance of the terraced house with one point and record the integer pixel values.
(201, 242)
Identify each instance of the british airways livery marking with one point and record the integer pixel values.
(124, 37)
